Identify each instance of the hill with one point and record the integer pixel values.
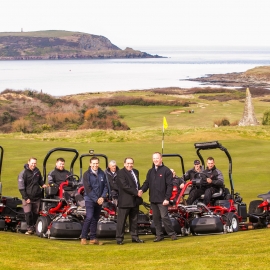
(29, 111)
(61, 45)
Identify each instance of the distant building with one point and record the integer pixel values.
(248, 118)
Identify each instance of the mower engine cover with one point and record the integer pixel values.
(106, 229)
(65, 228)
(206, 225)
(2, 225)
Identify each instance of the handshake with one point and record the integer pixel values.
(140, 193)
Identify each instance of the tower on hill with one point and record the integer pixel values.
(248, 118)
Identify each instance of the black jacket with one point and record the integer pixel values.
(57, 177)
(127, 188)
(30, 183)
(190, 174)
(216, 177)
(159, 183)
(112, 178)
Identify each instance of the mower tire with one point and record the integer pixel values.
(253, 209)
(42, 225)
(232, 222)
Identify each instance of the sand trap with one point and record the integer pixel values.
(177, 112)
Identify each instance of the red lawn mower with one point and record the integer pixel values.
(259, 212)
(226, 211)
(58, 215)
(11, 212)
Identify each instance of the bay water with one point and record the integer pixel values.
(66, 77)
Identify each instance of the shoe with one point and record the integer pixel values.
(95, 242)
(83, 241)
(158, 239)
(29, 232)
(137, 240)
(119, 243)
(174, 237)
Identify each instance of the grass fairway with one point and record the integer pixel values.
(242, 250)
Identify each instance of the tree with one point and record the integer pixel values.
(266, 118)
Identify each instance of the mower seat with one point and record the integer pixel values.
(215, 195)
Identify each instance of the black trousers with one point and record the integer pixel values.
(122, 214)
(196, 194)
(160, 213)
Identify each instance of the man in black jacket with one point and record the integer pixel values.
(214, 180)
(111, 173)
(60, 175)
(30, 182)
(160, 185)
(128, 186)
(193, 172)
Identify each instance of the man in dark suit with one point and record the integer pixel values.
(128, 186)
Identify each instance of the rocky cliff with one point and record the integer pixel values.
(255, 77)
(61, 45)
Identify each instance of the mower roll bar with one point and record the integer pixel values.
(181, 160)
(182, 167)
(215, 145)
(92, 154)
(59, 149)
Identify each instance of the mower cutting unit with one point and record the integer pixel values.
(225, 213)
(11, 212)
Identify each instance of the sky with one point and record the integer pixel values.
(131, 23)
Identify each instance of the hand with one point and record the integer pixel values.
(28, 201)
(165, 202)
(140, 193)
(44, 185)
(100, 201)
(209, 180)
(182, 185)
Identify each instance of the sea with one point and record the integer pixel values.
(68, 77)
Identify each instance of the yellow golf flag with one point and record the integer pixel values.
(165, 124)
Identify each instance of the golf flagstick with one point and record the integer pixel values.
(164, 126)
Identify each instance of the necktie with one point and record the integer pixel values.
(134, 178)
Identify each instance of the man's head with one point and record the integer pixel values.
(128, 163)
(210, 163)
(112, 166)
(32, 163)
(94, 163)
(157, 159)
(197, 164)
(60, 164)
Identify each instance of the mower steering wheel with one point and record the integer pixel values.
(74, 177)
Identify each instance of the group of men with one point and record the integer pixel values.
(126, 192)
